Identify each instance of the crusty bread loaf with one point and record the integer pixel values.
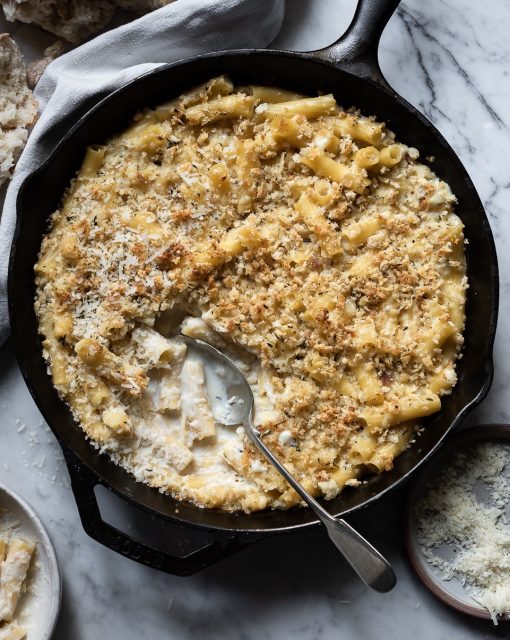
(73, 20)
(141, 6)
(18, 109)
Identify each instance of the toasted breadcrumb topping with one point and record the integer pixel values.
(338, 284)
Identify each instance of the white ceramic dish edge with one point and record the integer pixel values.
(48, 559)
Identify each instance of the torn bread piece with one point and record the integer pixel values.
(198, 420)
(18, 109)
(38, 67)
(13, 574)
(141, 6)
(73, 20)
(12, 632)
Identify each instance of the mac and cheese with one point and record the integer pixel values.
(302, 239)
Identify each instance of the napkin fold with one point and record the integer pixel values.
(73, 83)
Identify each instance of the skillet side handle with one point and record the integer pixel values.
(83, 482)
(356, 51)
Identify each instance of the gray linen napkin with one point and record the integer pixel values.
(74, 82)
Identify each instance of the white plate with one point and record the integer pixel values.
(39, 607)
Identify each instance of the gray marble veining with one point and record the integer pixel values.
(451, 59)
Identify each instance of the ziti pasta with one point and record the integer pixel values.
(304, 241)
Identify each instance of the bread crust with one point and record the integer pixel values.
(18, 108)
(72, 20)
(37, 68)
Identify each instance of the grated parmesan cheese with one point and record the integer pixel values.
(464, 507)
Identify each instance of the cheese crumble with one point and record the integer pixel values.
(466, 507)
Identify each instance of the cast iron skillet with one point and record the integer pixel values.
(349, 69)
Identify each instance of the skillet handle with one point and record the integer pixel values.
(196, 556)
(356, 50)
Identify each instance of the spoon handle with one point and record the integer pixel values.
(367, 562)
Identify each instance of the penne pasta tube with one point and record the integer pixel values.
(291, 130)
(346, 176)
(273, 95)
(359, 128)
(367, 157)
(93, 161)
(391, 155)
(13, 573)
(232, 106)
(198, 420)
(308, 107)
(413, 408)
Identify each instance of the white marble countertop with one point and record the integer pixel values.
(450, 58)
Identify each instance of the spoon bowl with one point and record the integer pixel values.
(367, 562)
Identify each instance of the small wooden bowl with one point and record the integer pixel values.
(450, 592)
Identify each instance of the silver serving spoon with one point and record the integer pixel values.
(367, 562)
